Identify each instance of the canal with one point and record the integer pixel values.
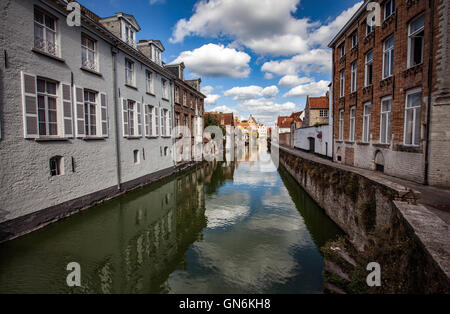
(223, 227)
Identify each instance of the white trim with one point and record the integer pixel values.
(63, 117)
(388, 121)
(408, 93)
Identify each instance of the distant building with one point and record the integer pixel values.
(316, 111)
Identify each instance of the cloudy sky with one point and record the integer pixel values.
(254, 56)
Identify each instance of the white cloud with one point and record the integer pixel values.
(266, 110)
(157, 1)
(249, 92)
(224, 109)
(293, 80)
(216, 60)
(266, 27)
(315, 60)
(311, 89)
(211, 99)
(268, 76)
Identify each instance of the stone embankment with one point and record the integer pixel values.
(383, 222)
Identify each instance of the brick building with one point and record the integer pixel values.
(188, 106)
(391, 91)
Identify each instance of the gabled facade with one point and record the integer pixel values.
(316, 111)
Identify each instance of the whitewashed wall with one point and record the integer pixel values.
(322, 146)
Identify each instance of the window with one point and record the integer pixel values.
(341, 125)
(156, 55)
(412, 117)
(191, 98)
(166, 153)
(354, 76)
(45, 32)
(88, 53)
(355, 39)
(342, 49)
(369, 69)
(184, 98)
(149, 120)
(185, 120)
(47, 107)
(177, 94)
(149, 81)
(385, 123)
(129, 36)
(342, 84)
(323, 113)
(352, 123)
(366, 122)
(136, 156)
(415, 41)
(389, 7)
(369, 29)
(129, 72)
(131, 119)
(177, 119)
(90, 114)
(56, 166)
(388, 59)
(165, 90)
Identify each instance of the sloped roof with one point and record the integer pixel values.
(318, 102)
(285, 122)
(297, 116)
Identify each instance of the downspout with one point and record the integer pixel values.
(114, 51)
(430, 88)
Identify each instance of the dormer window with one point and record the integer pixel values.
(130, 36)
(156, 55)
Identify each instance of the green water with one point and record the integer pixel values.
(225, 227)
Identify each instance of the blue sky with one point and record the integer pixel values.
(259, 57)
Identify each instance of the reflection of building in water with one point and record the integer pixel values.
(152, 230)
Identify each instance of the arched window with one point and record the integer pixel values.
(136, 156)
(56, 164)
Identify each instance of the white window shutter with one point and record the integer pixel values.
(30, 107)
(157, 127)
(161, 121)
(169, 128)
(153, 130)
(139, 118)
(104, 114)
(126, 131)
(79, 112)
(66, 96)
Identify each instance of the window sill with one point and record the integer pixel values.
(133, 137)
(151, 137)
(339, 141)
(51, 139)
(150, 94)
(93, 138)
(131, 86)
(167, 136)
(91, 71)
(165, 99)
(381, 145)
(363, 143)
(43, 53)
(349, 142)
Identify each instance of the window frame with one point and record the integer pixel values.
(323, 113)
(354, 77)
(387, 114)
(411, 37)
(46, 109)
(352, 121)
(46, 28)
(341, 124)
(342, 50)
(88, 114)
(354, 37)
(366, 122)
(130, 72)
(149, 82)
(392, 8)
(413, 129)
(389, 51)
(342, 83)
(368, 64)
(94, 65)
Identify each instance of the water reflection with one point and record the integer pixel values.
(220, 228)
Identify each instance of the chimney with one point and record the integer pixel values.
(145, 48)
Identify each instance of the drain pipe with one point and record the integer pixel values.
(114, 51)
(430, 87)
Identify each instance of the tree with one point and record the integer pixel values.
(212, 120)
